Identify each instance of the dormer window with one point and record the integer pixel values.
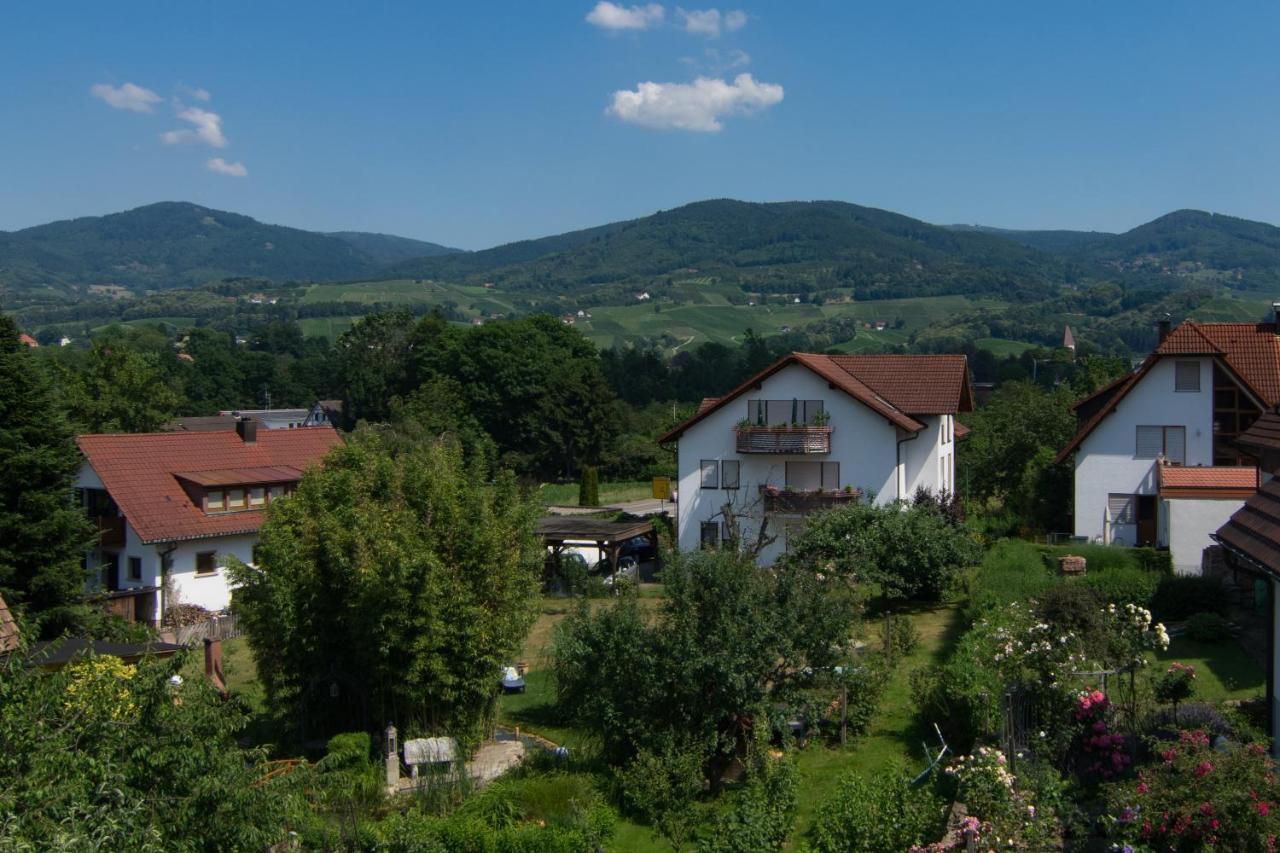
(257, 496)
(214, 501)
(238, 489)
(235, 499)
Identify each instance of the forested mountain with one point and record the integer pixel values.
(1211, 240)
(176, 244)
(1049, 241)
(823, 243)
(390, 249)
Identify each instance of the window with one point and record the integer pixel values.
(135, 568)
(206, 562)
(235, 498)
(729, 474)
(276, 492)
(1167, 441)
(1186, 376)
(710, 534)
(1121, 507)
(813, 476)
(257, 496)
(214, 501)
(710, 474)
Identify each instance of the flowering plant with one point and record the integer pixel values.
(1133, 633)
(1176, 685)
(1099, 752)
(1197, 797)
(999, 813)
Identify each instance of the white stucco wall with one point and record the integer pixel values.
(863, 442)
(1189, 523)
(1105, 462)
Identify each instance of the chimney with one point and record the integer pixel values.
(1163, 327)
(247, 429)
(213, 666)
(1275, 315)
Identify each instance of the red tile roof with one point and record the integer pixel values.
(894, 386)
(1263, 435)
(1253, 532)
(1250, 352)
(27, 341)
(1182, 481)
(140, 472)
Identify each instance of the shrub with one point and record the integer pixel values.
(880, 813)
(1180, 596)
(1123, 585)
(1198, 798)
(864, 685)
(1104, 558)
(662, 788)
(899, 636)
(1011, 571)
(1208, 628)
(760, 816)
(1165, 725)
(589, 487)
(961, 696)
(1176, 685)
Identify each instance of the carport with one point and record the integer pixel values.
(561, 531)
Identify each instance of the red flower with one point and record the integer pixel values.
(1264, 809)
(1203, 769)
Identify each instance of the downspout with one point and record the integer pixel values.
(900, 479)
(164, 573)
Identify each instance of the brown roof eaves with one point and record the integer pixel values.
(841, 380)
(1253, 531)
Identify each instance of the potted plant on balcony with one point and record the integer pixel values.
(821, 418)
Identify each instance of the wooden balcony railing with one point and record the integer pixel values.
(781, 500)
(793, 439)
(110, 529)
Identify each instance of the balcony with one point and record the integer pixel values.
(110, 529)
(787, 439)
(785, 501)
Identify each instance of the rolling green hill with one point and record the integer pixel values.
(390, 249)
(773, 247)
(1049, 241)
(1192, 237)
(176, 244)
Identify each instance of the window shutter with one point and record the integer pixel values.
(1186, 376)
(830, 476)
(1175, 444)
(1150, 442)
(710, 474)
(729, 474)
(1121, 507)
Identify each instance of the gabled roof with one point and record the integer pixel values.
(895, 387)
(1249, 352)
(140, 472)
(1264, 434)
(1253, 531)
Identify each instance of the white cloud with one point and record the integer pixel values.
(611, 16)
(699, 105)
(194, 92)
(708, 22)
(222, 167)
(126, 97)
(207, 128)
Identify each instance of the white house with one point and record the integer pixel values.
(1183, 408)
(811, 432)
(172, 506)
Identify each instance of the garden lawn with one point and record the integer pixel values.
(1223, 670)
(895, 741)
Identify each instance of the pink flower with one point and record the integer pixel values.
(1168, 755)
(1264, 809)
(1143, 788)
(1203, 769)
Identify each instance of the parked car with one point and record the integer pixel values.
(512, 680)
(640, 547)
(628, 572)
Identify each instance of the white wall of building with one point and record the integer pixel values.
(1189, 523)
(1105, 460)
(863, 442)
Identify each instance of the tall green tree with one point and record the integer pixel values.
(395, 580)
(120, 389)
(377, 362)
(730, 645)
(43, 534)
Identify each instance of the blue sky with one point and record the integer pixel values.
(475, 125)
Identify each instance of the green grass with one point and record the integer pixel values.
(566, 494)
(1223, 670)
(895, 738)
(326, 327)
(1001, 347)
